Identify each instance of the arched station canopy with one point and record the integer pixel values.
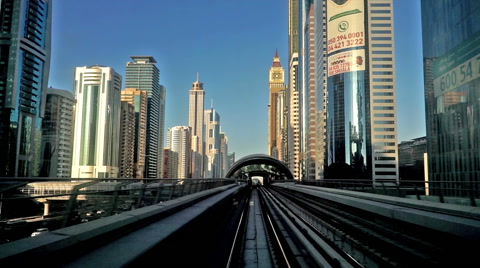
(260, 159)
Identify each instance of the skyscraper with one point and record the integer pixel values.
(294, 121)
(212, 144)
(25, 37)
(57, 134)
(320, 88)
(275, 110)
(178, 140)
(97, 123)
(161, 126)
(143, 74)
(127, 140)
(293, 94)
(170, 166)
(230, 159)
(451, 51)
(361, 108)
(308, 161)
(195, 121)
(223, 154)
(139, 99)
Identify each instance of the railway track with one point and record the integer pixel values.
(271, 234)
(290, 229)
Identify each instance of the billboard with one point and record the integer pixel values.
(348, 61)
(457, 67)
(345, 29)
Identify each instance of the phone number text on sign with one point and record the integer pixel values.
(345, 41)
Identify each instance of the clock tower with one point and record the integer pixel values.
(276, 120)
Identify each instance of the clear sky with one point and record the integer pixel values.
(230, 43)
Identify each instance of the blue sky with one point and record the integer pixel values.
(230, 43)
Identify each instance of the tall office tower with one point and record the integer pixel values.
(361, 115)
(293, 94)
(230, 159)
(451, 50)
(223, 154)
(170, 164)
(127, 140)
(161, 137)
(275, 110)
(212, 144)
(308, 137)
(143, 74)
(139, 99)
(294, 119)
(24, 68)
(195, 121)
(320, 10)
(97, 123)
(178, 140)
(57, 134)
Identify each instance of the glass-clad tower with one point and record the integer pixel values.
(143, 74)
(451, 50)
(25, 33)
(57, 134)
(361, 125)
(138, 98)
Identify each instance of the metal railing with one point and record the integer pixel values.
(461, 193)
(30, 203)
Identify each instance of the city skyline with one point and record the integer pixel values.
(232, 56)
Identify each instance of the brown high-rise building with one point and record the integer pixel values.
(127, 140)
(139, 99)
(276, 120)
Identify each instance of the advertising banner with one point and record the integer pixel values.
(348, 61)
(346, 24)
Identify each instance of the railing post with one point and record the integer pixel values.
(140, 196)
(73, 200)
(442, 200)
(157, 196)
(472, 195)
(182, 188)
(172, 191)
(115, 197)
(416, 191)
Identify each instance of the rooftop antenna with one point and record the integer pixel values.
(211, 103)
(198, 77)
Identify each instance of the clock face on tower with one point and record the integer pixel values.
(276, 76)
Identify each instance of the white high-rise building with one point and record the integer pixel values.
(195, 121)
(212, 144)
(97, 123)
(178, 140)
(294, 119)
